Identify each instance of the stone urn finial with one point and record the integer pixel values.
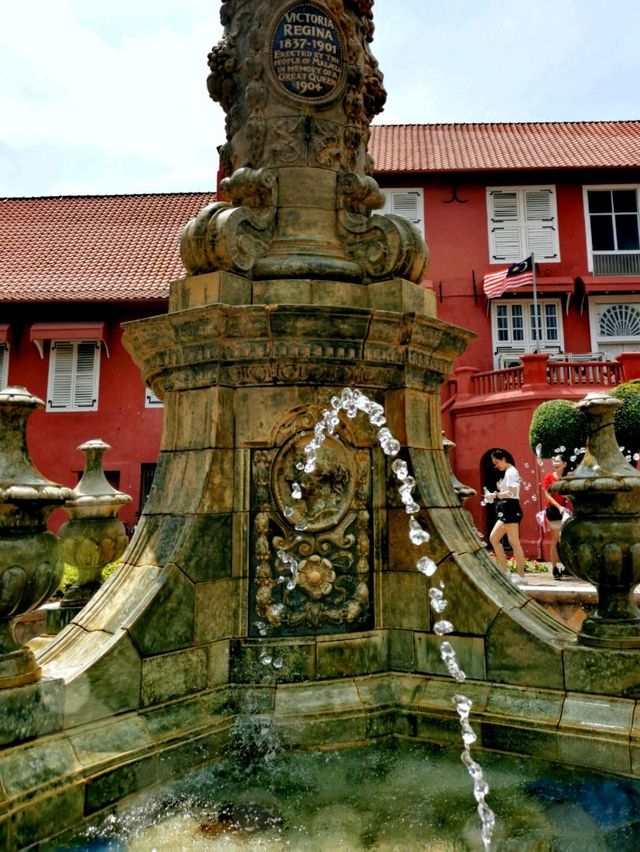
(30, 568)
(601, 541)
(93, 536)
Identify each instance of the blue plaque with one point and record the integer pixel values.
(306, 52)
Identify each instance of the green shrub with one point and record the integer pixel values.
(557, 423)
(626, 420)
(70, 574)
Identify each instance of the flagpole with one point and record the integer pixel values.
(537, 325)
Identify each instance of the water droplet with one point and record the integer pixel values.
(438, 603)
(400, 468)
(417, 534)
(426, 566)
(288, 511)
(296, 491)
(440, 628)
(266, 660)
(277, 663)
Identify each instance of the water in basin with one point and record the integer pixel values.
(405, 797)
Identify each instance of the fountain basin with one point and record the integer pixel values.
(390, 796)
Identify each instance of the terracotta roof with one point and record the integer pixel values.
(93, 248)
(492, 147)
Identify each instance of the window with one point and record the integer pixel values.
(151, 400)
(613, 229)
(522, 221)
(4, 365)
(74, 369)
(407, 203)
(615, 324)
(515, 330)
(147, 472)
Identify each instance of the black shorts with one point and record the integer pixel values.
(509, 511)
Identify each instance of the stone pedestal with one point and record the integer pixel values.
(601, 541)
(30, 568)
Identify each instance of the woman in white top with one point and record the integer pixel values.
(509, 512)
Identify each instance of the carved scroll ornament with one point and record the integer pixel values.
(232, 235)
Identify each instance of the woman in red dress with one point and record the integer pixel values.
(557, 510)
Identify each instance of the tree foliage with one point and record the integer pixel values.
(555, 424)
(626, 420)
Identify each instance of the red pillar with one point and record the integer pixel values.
(535, 369)
(463, 377)
(630, 365)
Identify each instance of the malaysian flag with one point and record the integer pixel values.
(511, 278)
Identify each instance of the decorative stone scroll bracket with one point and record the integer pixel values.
(233, 235)
(384, 246)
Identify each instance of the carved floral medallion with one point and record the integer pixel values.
(325, 530)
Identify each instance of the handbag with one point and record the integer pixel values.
(541, 520)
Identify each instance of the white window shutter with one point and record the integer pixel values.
(508, 244)
(504, 206)
(73, 375)
(541, 224)
(150, 399)
(85, 395)
(506, 230)
(61, 374)
(407, 203)
(521, 221)
(4, 364)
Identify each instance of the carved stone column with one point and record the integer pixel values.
(30, 568)
(295, 289)
(601, 541)
(299, 85)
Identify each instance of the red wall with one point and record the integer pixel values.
(121, 419)
(456, 230)
(457, 235)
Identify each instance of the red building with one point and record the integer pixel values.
(488, 195)
(73, 269)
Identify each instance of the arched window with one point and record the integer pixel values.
(621, 320)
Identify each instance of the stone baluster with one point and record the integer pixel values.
(93, 536)
(601, 541)
(30, 568)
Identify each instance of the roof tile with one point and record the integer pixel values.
(93, 248)
(126, 247)
(494, 147)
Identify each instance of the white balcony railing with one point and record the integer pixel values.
(615, 263)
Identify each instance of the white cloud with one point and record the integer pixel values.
(142, 97)
(110, 95)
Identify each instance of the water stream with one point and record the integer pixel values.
(353, 402)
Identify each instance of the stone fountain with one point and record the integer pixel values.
(295, 288)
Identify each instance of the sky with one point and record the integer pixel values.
(109, 96)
